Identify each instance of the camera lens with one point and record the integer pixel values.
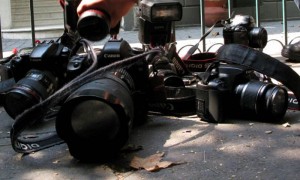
(263, 100)
(258, 37)
(94, 25)
(99, 116)
(33, 88)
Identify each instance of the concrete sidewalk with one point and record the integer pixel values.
(236, 149)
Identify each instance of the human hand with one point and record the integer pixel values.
(115, 8)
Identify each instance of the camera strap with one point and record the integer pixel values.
(194, 48)
(262, 63)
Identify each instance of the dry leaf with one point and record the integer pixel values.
(268, 132)
(214, 34)
(56, 161)
(151, 163)
(221, 148)
(286, 125)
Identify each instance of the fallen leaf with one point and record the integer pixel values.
(214, 34)
(286, 125)
(268, 132)
(56, 161)
(151, 163)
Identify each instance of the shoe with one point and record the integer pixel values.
(292, 52)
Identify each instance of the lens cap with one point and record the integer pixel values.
(94, 25)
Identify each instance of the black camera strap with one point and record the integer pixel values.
(173, 101)
(194, 48)
(262, 63)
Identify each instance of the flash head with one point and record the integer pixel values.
(162, 11)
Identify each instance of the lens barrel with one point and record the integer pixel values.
(33, 88)
(94, 25)
(96, 119)
(264, 100)
(258, 37)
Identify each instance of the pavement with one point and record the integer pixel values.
(236, 149)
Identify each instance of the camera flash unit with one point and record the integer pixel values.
(161, 11)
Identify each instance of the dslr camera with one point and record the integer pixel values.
(235, 91)
(241, 29)
(113, 101)
(39, 72)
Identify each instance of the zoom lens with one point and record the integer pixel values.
(32, 89)
(263, 100)
(96, 119)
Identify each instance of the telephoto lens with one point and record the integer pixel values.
(94, 25)
(96, 119)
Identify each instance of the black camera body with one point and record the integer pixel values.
(235, 91)
(242, 30)
(114, 102)
(38, 73)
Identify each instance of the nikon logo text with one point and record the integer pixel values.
(293, 101)
(26, 146)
